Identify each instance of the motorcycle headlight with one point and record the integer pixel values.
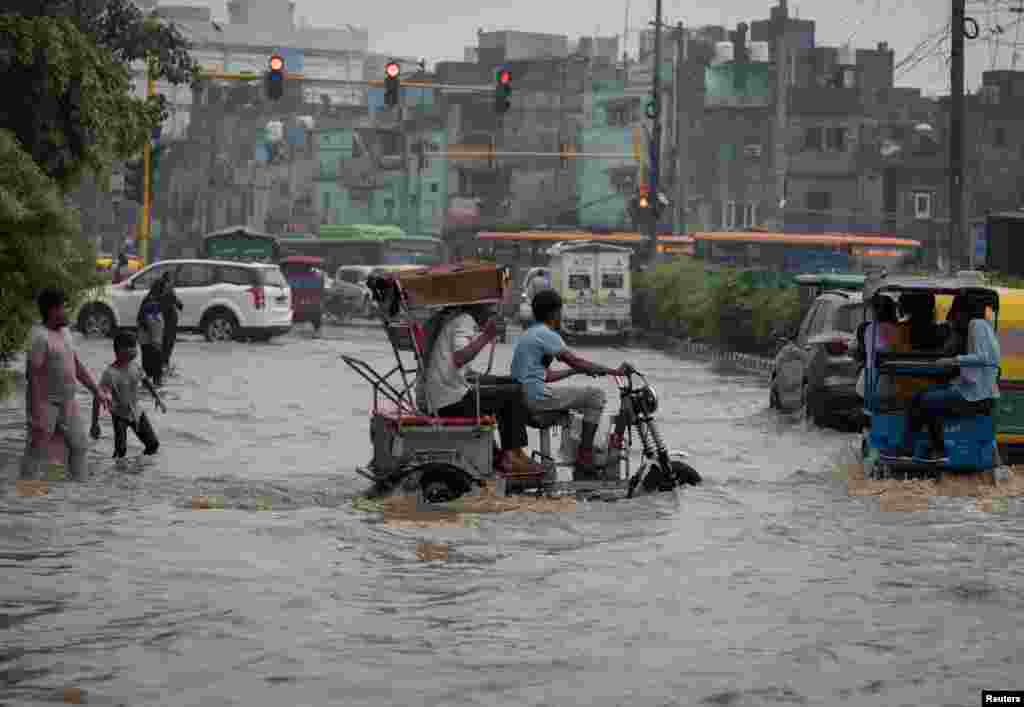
(650, 399)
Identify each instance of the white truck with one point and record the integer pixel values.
(594, 281)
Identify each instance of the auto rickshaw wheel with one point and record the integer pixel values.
(440, 483)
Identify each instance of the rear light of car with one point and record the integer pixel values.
(259, 297)
(837, 347)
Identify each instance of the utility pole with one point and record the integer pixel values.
(956, 133)
(655, 157)
(780, 156)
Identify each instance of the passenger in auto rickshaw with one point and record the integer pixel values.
(890, 336)
(453, 341)
(977, 381)
(925, 336)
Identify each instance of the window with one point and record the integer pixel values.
(434, 187)
(244, 277)
(819, 200)
(326, 202)
(579, 282)
(194, 275)
(749, 214)
(148, 278)
(805, 325)
(836, 139)
(729, 216)
(999, 137)
(612, 281)
(273, 277)
(922, 205)
(848, 318)
(813, 139)
(821, 318)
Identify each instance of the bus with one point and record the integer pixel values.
(796, 253)
(367, 245)
(525, 249)
(243, 244)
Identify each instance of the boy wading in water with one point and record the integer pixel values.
(121, 380)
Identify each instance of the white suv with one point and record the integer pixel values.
(222, 300)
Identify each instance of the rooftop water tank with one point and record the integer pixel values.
(760, 52)
(724, 52)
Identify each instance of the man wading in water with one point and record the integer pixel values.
(53, 371)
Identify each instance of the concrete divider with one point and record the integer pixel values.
(688, 347)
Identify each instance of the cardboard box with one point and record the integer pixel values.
(456, 284)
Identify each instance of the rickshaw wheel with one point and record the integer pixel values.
(441, 483)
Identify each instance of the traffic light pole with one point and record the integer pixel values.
(652, 220)
(147, 179)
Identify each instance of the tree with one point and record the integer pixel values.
(66, 66)
(39, 243)
(70, 62)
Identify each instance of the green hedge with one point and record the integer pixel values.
(729, 307)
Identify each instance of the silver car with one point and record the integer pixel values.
(817, 367)
(349, 296)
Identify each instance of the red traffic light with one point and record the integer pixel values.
(504, 77)
(392, 70)
(276, 63)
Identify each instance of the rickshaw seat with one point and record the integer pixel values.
(428, 421)
(544, 420)
(980, 408)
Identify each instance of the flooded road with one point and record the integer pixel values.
(766, 585)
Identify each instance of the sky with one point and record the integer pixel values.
(440, 29)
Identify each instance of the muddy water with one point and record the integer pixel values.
(770, 584)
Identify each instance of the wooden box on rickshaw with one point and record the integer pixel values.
(463, 283)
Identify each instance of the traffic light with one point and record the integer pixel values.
(640, 208)
(275, 78)
(134, 181)
(502, 91)
(392, 81)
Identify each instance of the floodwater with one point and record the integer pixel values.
(769, 584)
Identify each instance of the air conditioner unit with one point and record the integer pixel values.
(752, 151)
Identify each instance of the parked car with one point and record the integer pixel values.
(349, 295)
(222, 300)
(817, 368)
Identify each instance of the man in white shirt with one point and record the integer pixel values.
(446, 385)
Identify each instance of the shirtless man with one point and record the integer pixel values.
(53, 371)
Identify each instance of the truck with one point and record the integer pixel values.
(594, 281)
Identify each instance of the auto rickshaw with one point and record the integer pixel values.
(305, 275)
(969, 432)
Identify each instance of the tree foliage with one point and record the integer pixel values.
(39, 243)
(720, 305)
(70, 109)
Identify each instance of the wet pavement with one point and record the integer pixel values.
(769, 584)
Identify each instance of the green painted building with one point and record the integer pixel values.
(364, 178)
(615, 125)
